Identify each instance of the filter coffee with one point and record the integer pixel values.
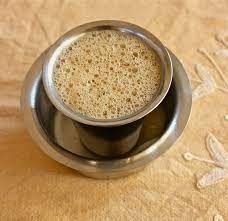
(107, 74)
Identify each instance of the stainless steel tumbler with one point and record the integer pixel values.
(109, 137)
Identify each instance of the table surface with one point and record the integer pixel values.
(35, 187)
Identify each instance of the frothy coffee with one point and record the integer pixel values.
(107, 74)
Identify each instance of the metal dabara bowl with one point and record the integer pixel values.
(56, 135)
(107, 137)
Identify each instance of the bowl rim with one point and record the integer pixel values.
(70, 36)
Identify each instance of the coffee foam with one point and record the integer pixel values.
(107, 74)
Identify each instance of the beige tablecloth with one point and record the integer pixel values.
(35, 187)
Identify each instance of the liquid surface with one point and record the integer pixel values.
(107, 74)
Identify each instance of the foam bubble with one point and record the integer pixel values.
(107, 74)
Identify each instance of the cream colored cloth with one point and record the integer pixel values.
(35, 187)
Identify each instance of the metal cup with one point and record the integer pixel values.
(109, 137)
